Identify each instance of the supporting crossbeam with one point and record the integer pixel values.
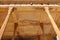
(5, 22)
(52, 22)
(35, 5)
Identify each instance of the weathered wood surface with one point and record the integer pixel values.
(29, 1)
(29, 19)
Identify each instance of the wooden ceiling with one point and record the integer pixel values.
(29, 1)
(31, 20)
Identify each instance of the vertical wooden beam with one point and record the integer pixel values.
(14, 16)
(5, 22)
(15, 24)
(41, 24)
(15, 27)
(52, 22)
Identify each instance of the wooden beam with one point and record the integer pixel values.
(29, 1)
(15, 23)
(14, 16)
(52, 22)
(5, 22)
(28, 5)
(15, 27)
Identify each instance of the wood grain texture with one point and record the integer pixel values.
(29, 1)
(29, 19)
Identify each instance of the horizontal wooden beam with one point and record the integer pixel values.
(29, 1)
(36, 5)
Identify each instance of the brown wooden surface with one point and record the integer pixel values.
(29, 1)
(37, 15)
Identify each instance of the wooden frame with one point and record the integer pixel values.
(46, 10)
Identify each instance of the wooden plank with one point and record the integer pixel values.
(47, 37)
(5, 22)
(53, 22)
(29, 30)
(29, 1)
(37, 11)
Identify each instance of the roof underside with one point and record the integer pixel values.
(29, 1)
(28, 20)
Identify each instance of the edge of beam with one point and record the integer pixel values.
(18, 5)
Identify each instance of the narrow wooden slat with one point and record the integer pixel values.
(5, 22)
(52, 22)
